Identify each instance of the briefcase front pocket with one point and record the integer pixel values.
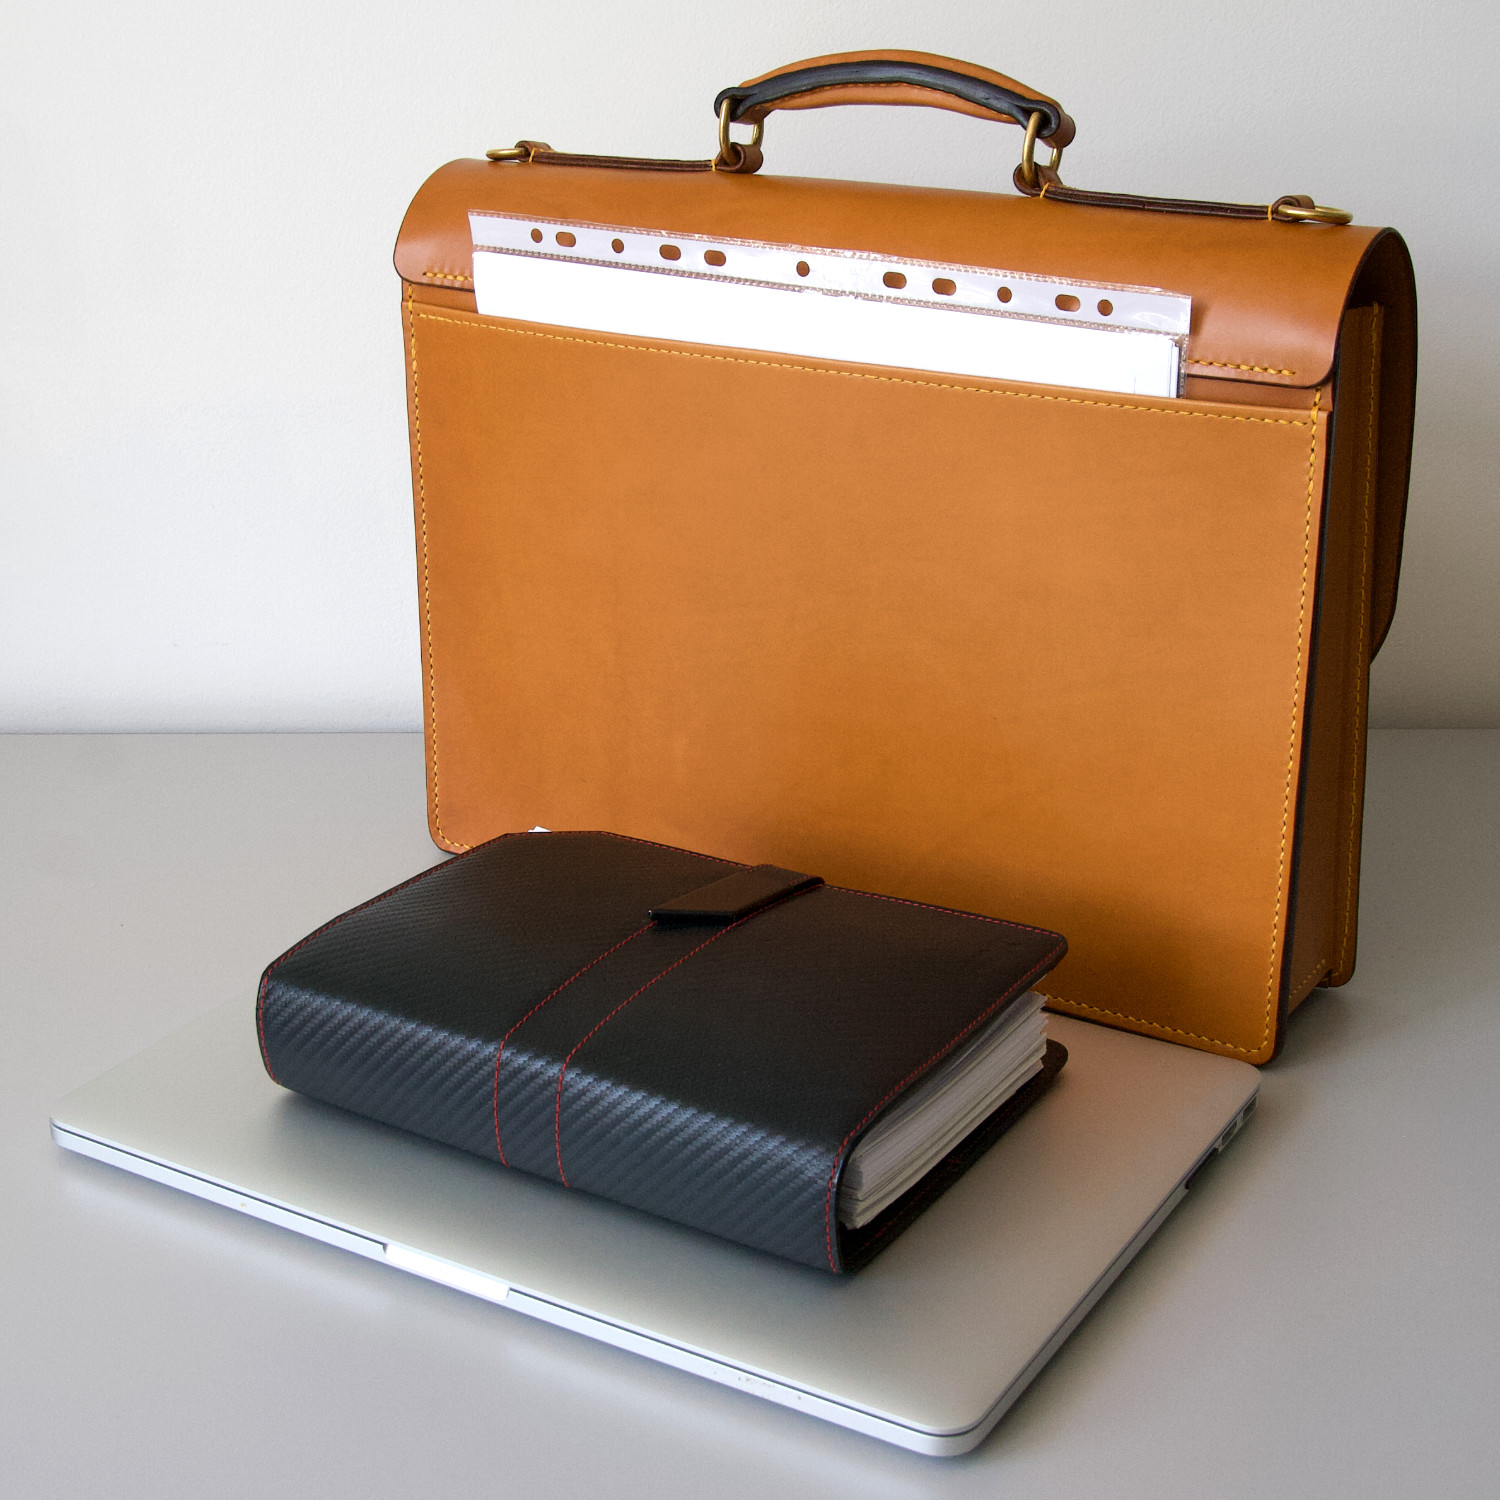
(1028, 648)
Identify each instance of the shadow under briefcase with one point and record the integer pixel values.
(1098, 660)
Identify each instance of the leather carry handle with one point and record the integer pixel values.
(947, 83)
(919, 78)
(907, 78)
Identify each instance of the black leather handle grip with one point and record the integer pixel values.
(752, 99)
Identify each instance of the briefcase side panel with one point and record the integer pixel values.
(1374, 467)
(1327, 880)
(1386, 280)
(1003, 648)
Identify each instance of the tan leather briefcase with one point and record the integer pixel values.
(1097, 661)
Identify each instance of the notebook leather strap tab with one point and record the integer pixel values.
(734, 896)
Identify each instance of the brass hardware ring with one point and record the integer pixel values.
(521, 151)
(1317, 214)
(1028, 151)
(730, 153)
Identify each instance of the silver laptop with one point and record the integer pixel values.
(926, 1347)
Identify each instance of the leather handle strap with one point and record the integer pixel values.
(914, 78)
(1290, 208)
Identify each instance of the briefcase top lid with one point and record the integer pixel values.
(1268, 297)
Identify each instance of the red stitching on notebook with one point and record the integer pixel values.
(557, 1107)
(495, 1100)
(1009, 995)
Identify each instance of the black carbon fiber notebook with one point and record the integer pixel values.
(746, 1050)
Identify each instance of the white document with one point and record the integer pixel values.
(840, 305)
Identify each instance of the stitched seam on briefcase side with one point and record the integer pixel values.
(1120, 1015)
(1291, 749)
(563, 1071)
(833, 1171)
(260, 999)
(1221, 364)
(1362, 663)
(1320, 967)
(500, 1051)
(431, 674)
(936, 385)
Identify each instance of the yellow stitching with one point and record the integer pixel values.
(936, 385)
(416, 433)
(1362, 665)
(1220, 364)
(446, 276)
(1311, 425)
(1291, 747)
(1120, 1015)
(1320, 967)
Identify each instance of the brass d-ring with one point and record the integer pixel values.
(731, 153)
(1288, 209)
(1028, 150)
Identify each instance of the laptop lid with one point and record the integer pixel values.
(926, 1347)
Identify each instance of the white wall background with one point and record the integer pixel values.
(203, 472)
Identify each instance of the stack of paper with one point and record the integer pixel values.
(910, 1139)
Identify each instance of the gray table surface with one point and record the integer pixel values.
(1320, 1318)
